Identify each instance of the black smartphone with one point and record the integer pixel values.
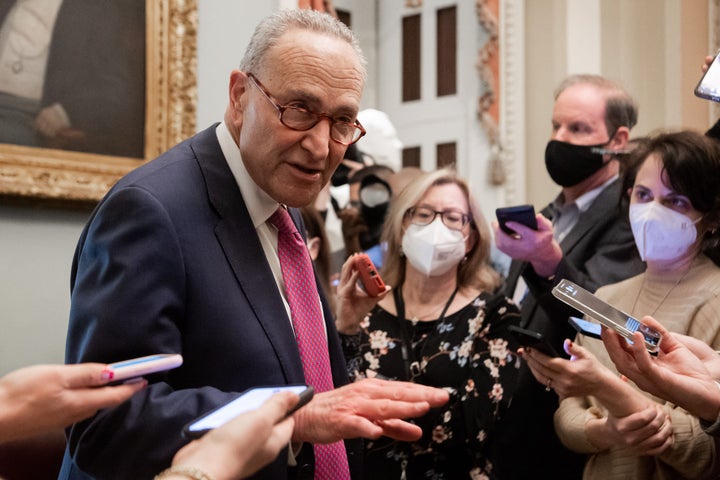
(524, 214)
(589, 329)
(709, 85)
(247, 401)
(532, 339)
(584, 301)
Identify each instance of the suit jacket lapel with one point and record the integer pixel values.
(236, 234)
(594, 215)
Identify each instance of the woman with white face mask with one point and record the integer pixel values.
(441, 324)
(673, 181)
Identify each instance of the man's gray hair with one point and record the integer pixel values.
(620, 108)
(270, 29)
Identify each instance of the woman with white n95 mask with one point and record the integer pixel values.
(441, 325)
(673, 181)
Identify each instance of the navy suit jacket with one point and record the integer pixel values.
(170, 262)
(598, 250)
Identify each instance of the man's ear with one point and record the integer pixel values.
(620, 139)
(238, 87)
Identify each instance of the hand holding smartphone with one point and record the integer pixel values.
(370, 280)
(138, 367)
(581, 299)
(524, 214)
(709, 85)
(249, 400)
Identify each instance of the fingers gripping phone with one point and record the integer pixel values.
(709, 85)
(370, 280)
(138, 367)
(532, 339)
(524, 214)
(247, 401)
(611, 317)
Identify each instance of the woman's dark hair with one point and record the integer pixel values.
(691, 167)
(315, 227)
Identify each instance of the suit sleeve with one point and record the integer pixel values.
(128, 300)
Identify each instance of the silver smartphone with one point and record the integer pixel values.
(581, 299)
(709, 85)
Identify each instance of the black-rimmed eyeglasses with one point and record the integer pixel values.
(302, 119)
(425, 216)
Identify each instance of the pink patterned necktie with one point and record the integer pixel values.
(304, 300)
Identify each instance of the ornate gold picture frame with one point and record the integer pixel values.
(49, 175)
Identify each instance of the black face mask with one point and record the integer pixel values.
(569, 164)
(374, 218)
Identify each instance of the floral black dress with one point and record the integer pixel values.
(470, 354)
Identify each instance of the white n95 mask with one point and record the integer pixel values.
(433, 249)
(661, 233)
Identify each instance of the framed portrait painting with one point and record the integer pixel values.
(89, 90)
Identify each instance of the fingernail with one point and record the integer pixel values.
(107, 374)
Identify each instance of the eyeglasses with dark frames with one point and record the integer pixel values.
(302, 119)
(452, 219)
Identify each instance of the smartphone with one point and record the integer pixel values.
(589, 329)
(709, 85)
(137, 367)
(370, 280)
(532, 339)
(247, 401)
(524, 214)
(603, 312)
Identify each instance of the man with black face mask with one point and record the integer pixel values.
(583, 235)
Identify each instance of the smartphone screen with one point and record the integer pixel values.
(709, 85)
(246, 402)
(589, 329)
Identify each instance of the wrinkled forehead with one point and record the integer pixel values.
(317, 66)
(314, 52)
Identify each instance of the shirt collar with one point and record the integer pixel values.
(259, 204)
(584, 201)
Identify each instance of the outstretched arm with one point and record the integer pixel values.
(681, 373)
(368, 408)
(631, 420)
(44, 397)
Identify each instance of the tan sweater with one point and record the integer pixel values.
(688, 304)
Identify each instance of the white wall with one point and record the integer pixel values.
(36, 248)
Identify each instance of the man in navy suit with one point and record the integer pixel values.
(180, 257)
(583, 235)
